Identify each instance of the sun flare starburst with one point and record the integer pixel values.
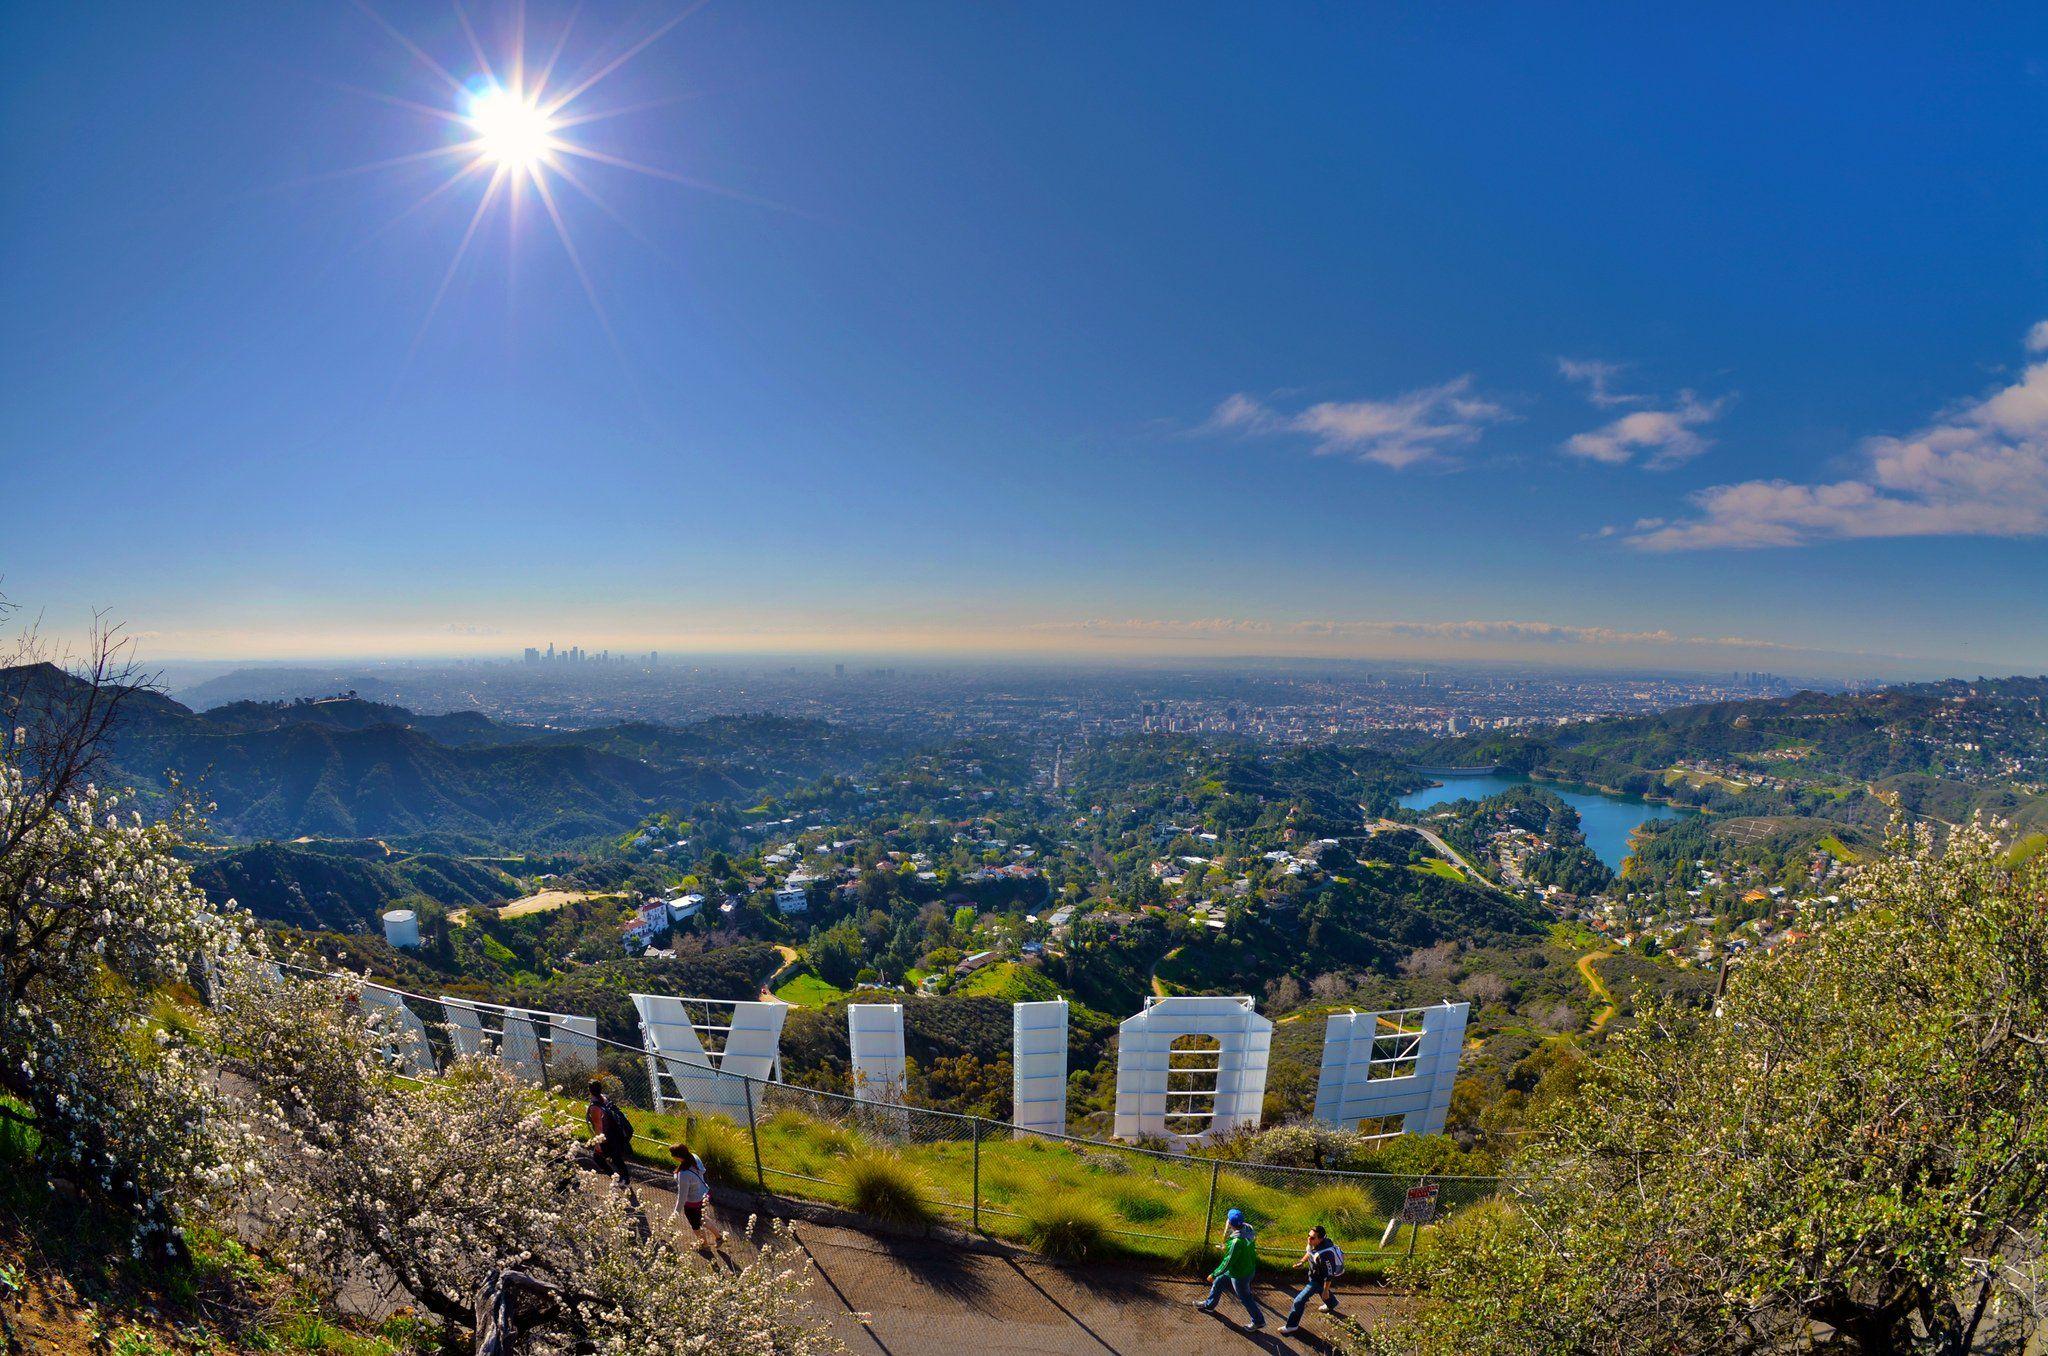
(513, 132)
(512, 124)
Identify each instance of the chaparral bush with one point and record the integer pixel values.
(1854, 1142)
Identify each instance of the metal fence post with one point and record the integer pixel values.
(977, 1174)
(1209, 1217)
(754, 1134)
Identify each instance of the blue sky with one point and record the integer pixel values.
(1587, 335)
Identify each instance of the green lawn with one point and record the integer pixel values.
(806, 990)
(1009, 981)
(1437, 866)
(1837, 849)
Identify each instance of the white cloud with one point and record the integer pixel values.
(1598, 377)
(1669, 437)
(2037, 337)
(1982, 470)
(1242, 414)
(1399, 432)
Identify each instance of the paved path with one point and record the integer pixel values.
(891, 1297)
(1444, 850)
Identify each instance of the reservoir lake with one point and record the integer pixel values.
(1606, 820)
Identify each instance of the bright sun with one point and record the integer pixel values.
(517, 135)
(513, 133)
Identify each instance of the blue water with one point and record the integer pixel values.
(1606, 820)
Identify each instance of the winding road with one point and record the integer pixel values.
(1443, 849)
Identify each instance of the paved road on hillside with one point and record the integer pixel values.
(1444, 850)
(890, 1297)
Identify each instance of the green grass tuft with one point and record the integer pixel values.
(1344, 1211)
(1139, 1203)
(879, 1182)
(728, 1157)
(1071, 1226)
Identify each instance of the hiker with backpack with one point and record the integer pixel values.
(611, 1132)
(1234, 1273)
(1325, 1263)
(693, 1192)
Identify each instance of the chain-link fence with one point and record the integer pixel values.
(918, 1164)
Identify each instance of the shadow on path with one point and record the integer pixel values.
(1071, 1316)
(818, 1268)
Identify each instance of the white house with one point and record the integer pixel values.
(791, 899)
(649, 922)
(684, 907)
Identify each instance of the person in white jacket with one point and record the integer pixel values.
(693, 1191)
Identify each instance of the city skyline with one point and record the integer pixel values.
(1588, 338)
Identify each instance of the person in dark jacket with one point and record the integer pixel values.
(1234, 1273)
(611, 1133)
(1323, 1260)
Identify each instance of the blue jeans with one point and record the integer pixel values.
(1301, 1299)
(1240, 1287)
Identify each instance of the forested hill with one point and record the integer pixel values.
(306, 886)
(1231, 783)
(1941, 750)
(352, 713)
(348, 768)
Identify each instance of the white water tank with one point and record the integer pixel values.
(402, 927)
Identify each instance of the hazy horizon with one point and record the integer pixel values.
(823, 658)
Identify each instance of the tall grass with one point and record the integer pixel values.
(1345, 1211)
(1140, 1203)
(727, 1154)
(1152, 1207)
(881, 1183)
(1071, 1227)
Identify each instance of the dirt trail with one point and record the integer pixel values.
(1599, 989)
(788, 955)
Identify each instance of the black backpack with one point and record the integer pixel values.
(618, 1131)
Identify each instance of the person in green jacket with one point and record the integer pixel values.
(1234, 1273)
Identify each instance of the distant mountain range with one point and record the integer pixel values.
(352, 768)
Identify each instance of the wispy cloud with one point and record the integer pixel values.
(1598, 378)
(1980, 470)
(1420, 426)
(1666, 437)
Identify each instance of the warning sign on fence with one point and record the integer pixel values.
(1420, 1207)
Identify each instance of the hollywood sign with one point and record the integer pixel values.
(1191, 1068)
(693, 1043)
(1188, 1068)
(536, 1045)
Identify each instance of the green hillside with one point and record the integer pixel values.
(1941, 751)
(348, 768)
(284, 884)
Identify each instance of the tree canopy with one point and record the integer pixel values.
(1848, 1153)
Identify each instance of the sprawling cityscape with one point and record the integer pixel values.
(1269, 701)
